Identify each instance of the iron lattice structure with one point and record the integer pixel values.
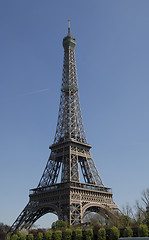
(69, 199)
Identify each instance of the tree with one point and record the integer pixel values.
(54, 225)
(94, 218)
(146, 220)
(48, 235)
(59, 224)
(78, 234)
(4, 228)
(145, 197)
(30, 236)
(101, 235)
(89, 234)
(67, 234)
(124, 220)
(127, 232)
(72, 227)
(127, 218)
(114, 233)
(57, 235)
(114, 220)
(139, 214)
(39, 236)
(22, 236)
(143, 231)
(14, 237)
(8, 236)
(142, 213)
(22, 231)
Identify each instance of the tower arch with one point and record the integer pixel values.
(102, 209)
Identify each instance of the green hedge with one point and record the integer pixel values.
(48, 235)
(67, 234)
(14, 237)
(78, 234)
(143, 231)
(89, 234)
(101, 235)
(30, 236)
(57, 235)
(114, 233)
(127, 232)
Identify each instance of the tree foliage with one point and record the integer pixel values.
(8, 236)
(139, 215)
(142, 212)
(48, 235)
(14, 237)
(67, 234)
(127, 232)
(101, 235)
(89, 234)
(30, 236)
(22, 236)
(59, 224)
(4, 228)
(39, 236)
(23, 231)
(78, 234)
(146, 220)
(143, 231)
(125, 221)
(114, 233)
(57, 235)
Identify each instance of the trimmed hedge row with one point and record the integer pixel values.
(68, 234)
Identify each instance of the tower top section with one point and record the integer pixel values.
(69, 125)
(69, 41)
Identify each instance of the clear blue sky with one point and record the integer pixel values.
(112, 56)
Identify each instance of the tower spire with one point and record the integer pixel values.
(68, 27)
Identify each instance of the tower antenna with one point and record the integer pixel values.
(68, 27)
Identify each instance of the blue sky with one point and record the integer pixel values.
(112, 56)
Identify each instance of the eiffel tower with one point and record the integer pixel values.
(68, 198)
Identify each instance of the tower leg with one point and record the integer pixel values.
(75, 213)
(31, 213)
(27, 217)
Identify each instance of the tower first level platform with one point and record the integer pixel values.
(72, 201)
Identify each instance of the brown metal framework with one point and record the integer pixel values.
(70, 200)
